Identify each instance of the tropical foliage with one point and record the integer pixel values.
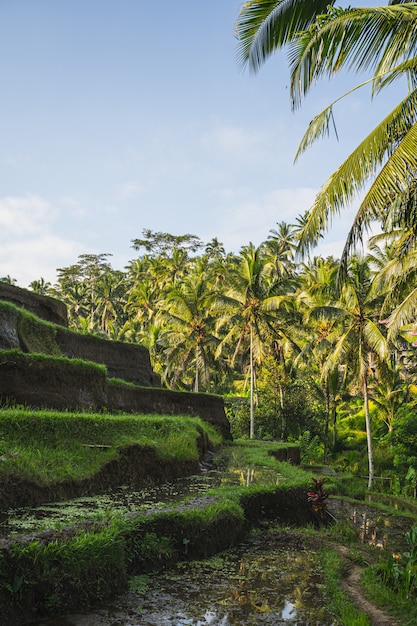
(295, 357)
(322, 40)
(297, 352)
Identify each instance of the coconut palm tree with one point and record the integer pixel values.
(280, 247)
(247, 312)
(189, 338)
(41, 287)
(361, 346)
(318, 290)
(379, 40)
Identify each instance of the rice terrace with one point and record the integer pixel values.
(134, 504)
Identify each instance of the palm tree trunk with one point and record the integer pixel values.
(368, 432)
(281, 404)
(252, 413)
(326, 425)
(196, 381)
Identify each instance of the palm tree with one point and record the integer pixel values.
(110, 295)
(280, 247)
(377, 39)
(143, 300)
(390, 393)
(247, 312)
(317, 290)
(41, 287)
(214, 249)
(189, 338)
(362, 346)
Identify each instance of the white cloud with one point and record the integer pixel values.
(30, 259)
(29, 248)
(250, 217)
(23, 215)
(130, 190)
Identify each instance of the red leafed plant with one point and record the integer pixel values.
(317, 496)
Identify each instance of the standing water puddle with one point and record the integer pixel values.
(270, 580)
(124, 500)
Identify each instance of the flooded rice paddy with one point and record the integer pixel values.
(272, 579)
(125, 500)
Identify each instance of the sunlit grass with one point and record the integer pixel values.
(50, 446)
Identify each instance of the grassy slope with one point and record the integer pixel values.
(48, 446)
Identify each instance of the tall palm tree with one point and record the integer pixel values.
(322, 331)
(110, 295)
(247, 312)
(362, 346)
(189, 338)
(280, 247)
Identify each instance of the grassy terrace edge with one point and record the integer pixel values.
(46, 446)
(80, 565)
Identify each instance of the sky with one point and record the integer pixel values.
(117, 117)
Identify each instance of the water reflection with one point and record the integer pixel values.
(374, 527)
(123, 500)
(271, 580)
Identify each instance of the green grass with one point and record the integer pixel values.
(337, 602)
(50, 446)
(396, 603)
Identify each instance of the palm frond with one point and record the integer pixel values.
(403, 314)
(355, 171)
(264, 26)
(375, 39)
(376, 340)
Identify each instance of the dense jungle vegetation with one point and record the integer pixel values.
(297, 355)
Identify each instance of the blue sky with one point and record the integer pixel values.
(120, 116)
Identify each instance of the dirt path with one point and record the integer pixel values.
(351, 585)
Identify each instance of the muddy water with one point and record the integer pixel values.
(373, 526)
(123, 500)
(271, 579)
